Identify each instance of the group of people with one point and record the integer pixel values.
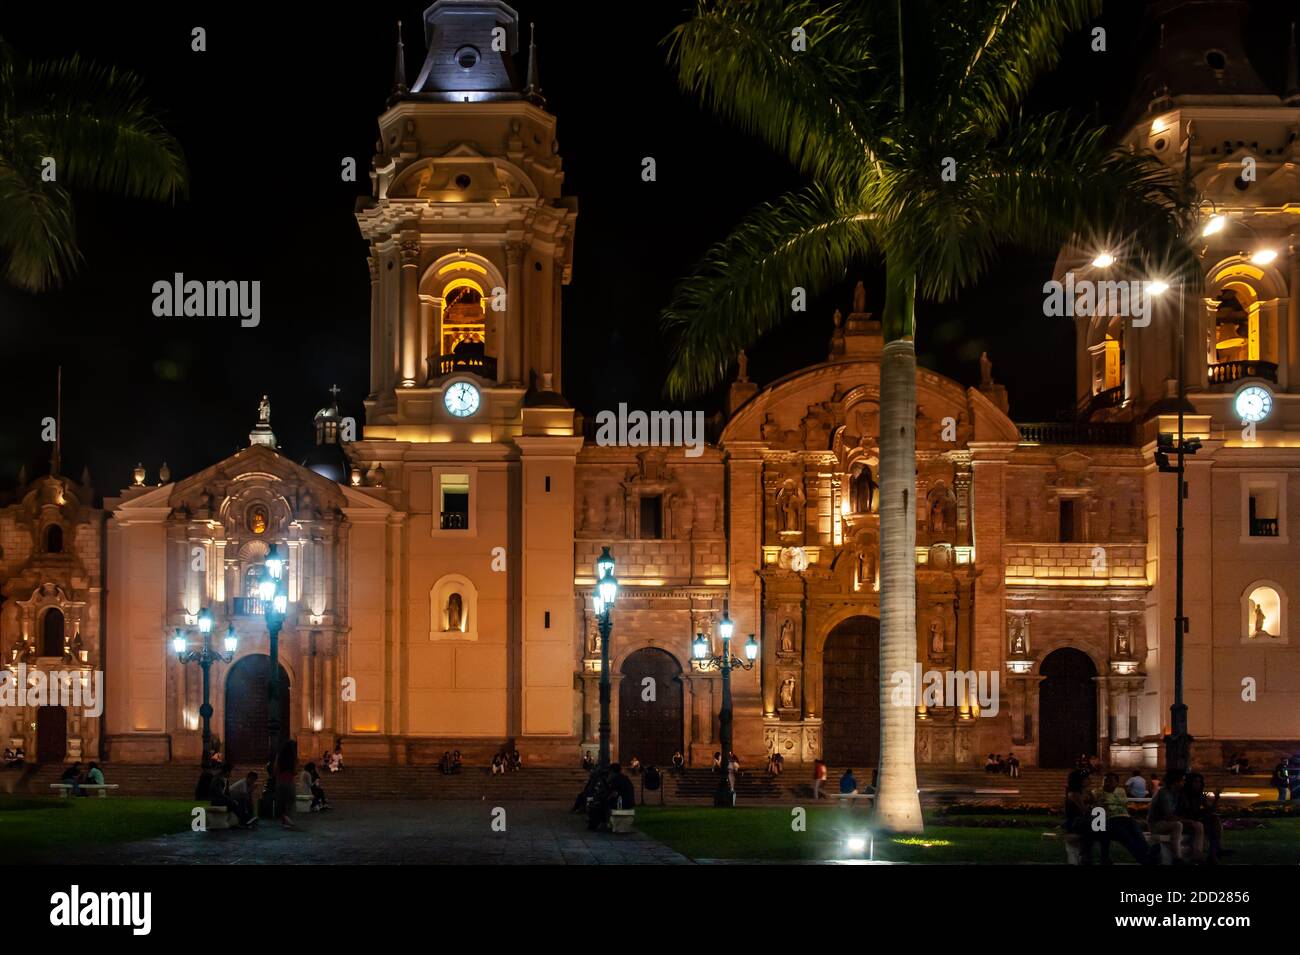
(14, 757)
(775, 764)
(603, 793)
(332, 762)
(289, 782)
(1179, 807)
(450, 762)
(1088, 764)
(1286, 777)
(508, 761)
(1009, 766)
(74, 777)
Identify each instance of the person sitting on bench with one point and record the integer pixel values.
(72, 777)
(238, 797)
(1163, 818)
(94, 775)
(848, 783)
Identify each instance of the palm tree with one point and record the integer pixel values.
(907, 121)
(65, 125)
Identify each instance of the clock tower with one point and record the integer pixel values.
(467, 435)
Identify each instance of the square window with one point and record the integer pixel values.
(455, 502)
(652, 512)
(1262, 511)
(1070, 532)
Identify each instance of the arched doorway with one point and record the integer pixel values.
(1067, 708)
(51, 734)
(650, 724)
(851, 694)
(246, 739)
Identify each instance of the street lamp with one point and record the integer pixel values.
(725, 663)
(603, 601)
(275, 603)
(205, 657)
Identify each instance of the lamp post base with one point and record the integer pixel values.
(724, 797)
(1178, 752)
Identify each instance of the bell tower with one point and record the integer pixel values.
(469, 234)
(467, 436)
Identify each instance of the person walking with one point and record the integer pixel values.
(285, 777)
(1280, 780)
(819, 777)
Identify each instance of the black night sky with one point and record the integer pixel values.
(265, 117)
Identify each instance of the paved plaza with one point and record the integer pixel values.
(407, 833)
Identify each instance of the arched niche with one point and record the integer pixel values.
(1263, 613)
(1244, 321)
(462, 295)
(453, 609)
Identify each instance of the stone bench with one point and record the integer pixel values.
(620, 820)
(1073, 855)
(220, 817)
(99, 789)
(848, 799)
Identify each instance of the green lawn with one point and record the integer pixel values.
(765, 833)
(46, 826)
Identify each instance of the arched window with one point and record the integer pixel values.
(52, 633)
(1264, 613)
(54, 539)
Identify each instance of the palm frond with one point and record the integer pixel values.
(1051, 179)
(999, 49)
(100, 129)
(37, 228)
(813, 106)
(745, 283)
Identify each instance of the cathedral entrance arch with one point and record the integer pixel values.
(247, 742)
(851, 693)
(650, 730)
(1067, 708)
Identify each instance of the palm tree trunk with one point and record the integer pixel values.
(898, 807)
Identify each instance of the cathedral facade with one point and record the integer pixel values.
(440, 560)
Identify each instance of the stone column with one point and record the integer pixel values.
(376, 327)
(409, 332)
(1103, 714)
(510, 349)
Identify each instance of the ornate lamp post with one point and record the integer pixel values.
(603, 601)
(275, 600)
(725, 662)
(205, 657)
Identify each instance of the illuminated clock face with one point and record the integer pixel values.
(461, 399)
(1254, 403)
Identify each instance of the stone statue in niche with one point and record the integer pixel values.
(787, 693)
(936, 637)
(1121, 639)
(455, 612)
(1018, 645)
(593, 638)
(787, 636)
(790, 501)
(943, 513)
(1257, 612)
(862, 490)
